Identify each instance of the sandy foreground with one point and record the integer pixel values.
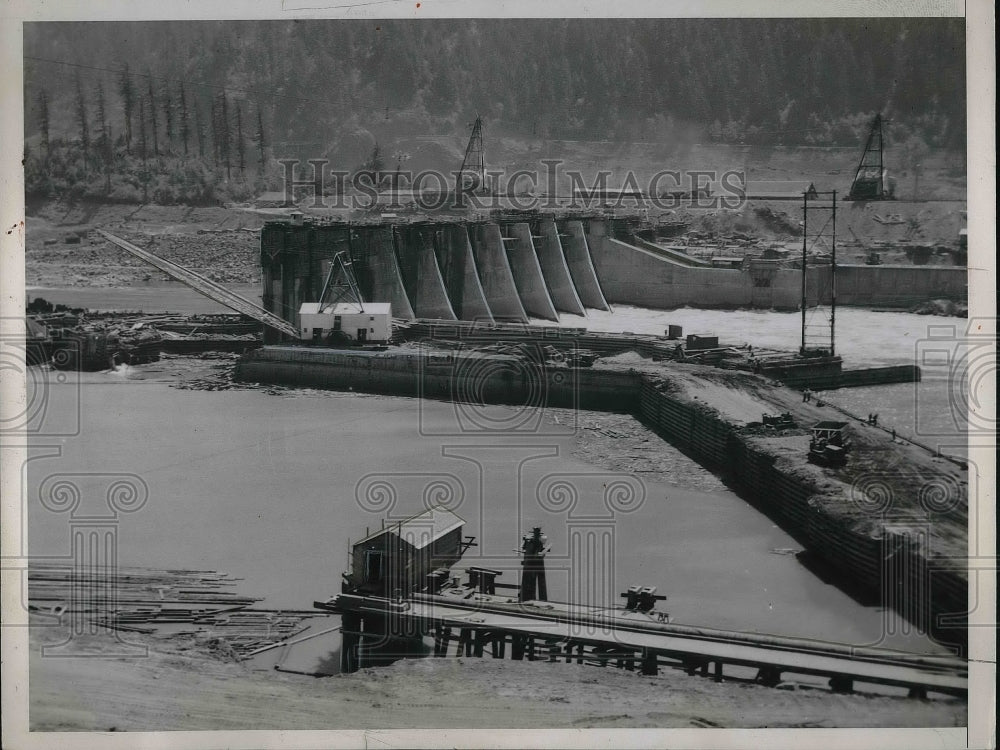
(180, 686)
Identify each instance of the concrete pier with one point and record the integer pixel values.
(378, 271)
(580, 265)
(527, 272)
(495, 274)
(421, 275)
(554, 269)
(458, 268)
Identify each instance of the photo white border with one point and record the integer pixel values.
(981, 69)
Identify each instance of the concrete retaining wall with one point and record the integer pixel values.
(893, 286)
(504, 381)
(797, 505)
(527, 272)
(494, 273)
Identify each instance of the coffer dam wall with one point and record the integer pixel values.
(872, 559)
(546, 266)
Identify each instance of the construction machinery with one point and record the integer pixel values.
(471, 176)
(829, 444)
(869, 178)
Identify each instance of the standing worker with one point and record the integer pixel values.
(533, 548)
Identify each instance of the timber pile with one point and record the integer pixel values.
(164, 602)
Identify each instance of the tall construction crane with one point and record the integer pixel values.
(869, 179)
(473, 169)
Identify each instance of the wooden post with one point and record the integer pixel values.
(441, 640)
(842, 684)
(553, 649)
(650, 666)
(718, 671)
(464, 645)
(579, 654)
(769, 676)
(517, 646)
(350, 626)
(480, 642)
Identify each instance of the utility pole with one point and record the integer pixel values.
(826, 235)
(805, 246)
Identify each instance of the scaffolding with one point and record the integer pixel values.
(819, 235)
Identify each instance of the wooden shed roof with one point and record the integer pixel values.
(423, 529)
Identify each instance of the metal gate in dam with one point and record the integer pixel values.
(544, 266)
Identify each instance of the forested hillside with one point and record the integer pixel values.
(197, 112)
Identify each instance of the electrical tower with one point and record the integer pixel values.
(869, 179)
(819, 235)
(473, 169)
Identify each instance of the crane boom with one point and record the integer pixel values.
(206, 287)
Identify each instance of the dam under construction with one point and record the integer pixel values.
(539, 266)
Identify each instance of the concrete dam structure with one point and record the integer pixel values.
(544, 266)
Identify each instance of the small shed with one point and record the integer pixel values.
(401, 555)
(701, 341)
(370, 322)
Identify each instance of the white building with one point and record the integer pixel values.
(367, 323)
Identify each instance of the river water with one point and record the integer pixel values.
(933, 411)
(271, 487)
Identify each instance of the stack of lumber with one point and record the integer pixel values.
(163, 602)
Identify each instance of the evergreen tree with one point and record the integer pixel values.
(142, 129)
(259, 139)
(168, 117)
(126, 89)
(42, 107)
(81, 119)
(199, 129)
(185, 123)
(240, 146)
(104, 147)
(153, 125)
